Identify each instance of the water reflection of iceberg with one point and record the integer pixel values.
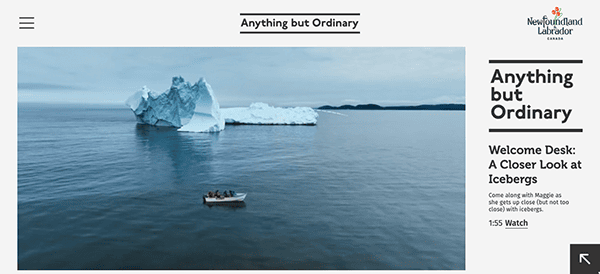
(178, 155)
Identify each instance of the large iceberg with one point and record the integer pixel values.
(263, 114)
(189, 108)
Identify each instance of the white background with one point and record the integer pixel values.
(496, 30)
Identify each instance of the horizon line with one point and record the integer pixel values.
(123, 103)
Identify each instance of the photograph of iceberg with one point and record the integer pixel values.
(221, 158)
(195, 109)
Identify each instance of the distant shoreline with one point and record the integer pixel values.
(458, 107)
(419, 107)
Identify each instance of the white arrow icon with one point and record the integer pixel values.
(582, 258)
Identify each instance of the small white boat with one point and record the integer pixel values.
(237, 197)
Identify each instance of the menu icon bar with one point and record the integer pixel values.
(26, 22)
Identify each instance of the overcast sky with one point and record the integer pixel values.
(239, 76)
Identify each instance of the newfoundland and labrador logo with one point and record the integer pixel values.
(555, 28)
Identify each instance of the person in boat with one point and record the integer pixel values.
(217, 194)
(225, 194)
(231, 193)
(211, 194)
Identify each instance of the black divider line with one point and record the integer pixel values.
(299, 14)
(536, 61)
(520, 130)
(299, 32)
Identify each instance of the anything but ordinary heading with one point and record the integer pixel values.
(293, 23)
(499, 111)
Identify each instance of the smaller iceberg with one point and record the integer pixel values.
(184, 106)
(263, 114)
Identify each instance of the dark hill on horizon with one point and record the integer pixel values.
(419, 107)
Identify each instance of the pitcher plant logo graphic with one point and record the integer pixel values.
(557, 13)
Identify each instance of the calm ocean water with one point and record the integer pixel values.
(370, 190)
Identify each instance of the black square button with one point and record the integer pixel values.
(585, 258)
